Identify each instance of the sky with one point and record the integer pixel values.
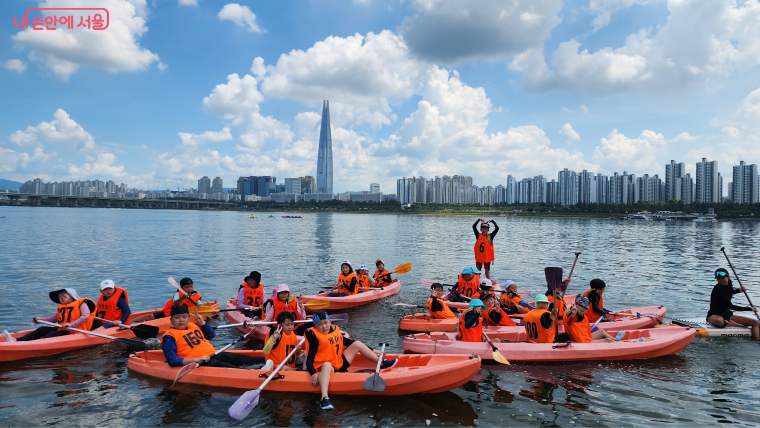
(174, 90)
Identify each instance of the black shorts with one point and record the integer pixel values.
(344, 367)
(158, 315)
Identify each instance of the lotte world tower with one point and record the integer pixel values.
(325, 159)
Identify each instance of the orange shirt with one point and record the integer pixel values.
(484, 249)
(330, 349)
(443, 314)
(287, 343)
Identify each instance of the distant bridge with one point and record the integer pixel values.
(109, 202)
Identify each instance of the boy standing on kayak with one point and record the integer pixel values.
(251, 295)
(191, 300)
(382, 276)
(279, 343)
(484, 254)
(113, 305)
(330, 352)
(188, 342)
(73, 311)
(436, 306)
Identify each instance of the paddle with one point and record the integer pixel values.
(410, 306)
(571, 273)
(723, 250)
(176, 285)
(192, 366)
(204, 311)
(125, 341)
(375, 382)
(243, 405)
(142, 331)
(554, 279)
(496, 354)
(337, 321)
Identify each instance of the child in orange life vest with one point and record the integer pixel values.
(484, 254)
(594, 295)
(363, 280)
(381, 276)
(73, 311)
(193, 300)
(467, 285)
(470, 326)
(280, 342)
(283, 301)
(347, 282)
(251, 295)
(436, 306)
(512, 299)
(329, 352)
(578, 326)
(561, 304)
(494, 314)
(539, 323)
(187, 342)
(113, 305)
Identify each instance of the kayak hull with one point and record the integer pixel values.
(14, 351)
(412, 374)
(236, 317)
(658, 342)
(368, 296)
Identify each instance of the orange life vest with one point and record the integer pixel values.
(470, 334)
(505, 320)
(330, 349)
(190, 302)
(382, 281)
(190, 342)
(560, 306)
(252, 296)
(280, 306)
(287, 343)
(468, 288)
(484, 249)
(107, 309)
(70, 313)
(590, 314)
(580, 331)
(344, 281)
(362, 281)
(509, 301)
(536, 332)
(443, 314)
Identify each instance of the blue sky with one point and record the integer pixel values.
(422, 87)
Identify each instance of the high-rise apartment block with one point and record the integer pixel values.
(708, 187)
(375, 188)
(745, 184)
(217, 186)
(673, 171)
(204, 185)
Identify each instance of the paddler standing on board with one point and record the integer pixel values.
(484, 254)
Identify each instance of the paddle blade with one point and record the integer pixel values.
(185, 370)
(553, 277)
(132, 342)
(243, 406)
(500, 358)
(375, 383)
(317, 304)
(145, 332)
(406, 267)
(204, 311)
(406, 304)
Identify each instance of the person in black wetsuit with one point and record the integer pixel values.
(720, 314)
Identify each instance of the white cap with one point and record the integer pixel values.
(362, 267)
(107, 284)
(346, 262)
(507, 283)
(487, 282)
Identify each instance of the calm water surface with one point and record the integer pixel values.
(644, 263)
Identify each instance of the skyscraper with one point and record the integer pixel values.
(745, 187)
(708, 182)
(324, 158)
(673, 171)
(217, 185)
(204, 185)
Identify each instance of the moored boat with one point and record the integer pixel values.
(411, 375)
(345, 302)
(636, 344)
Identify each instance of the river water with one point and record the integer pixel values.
(644, 263)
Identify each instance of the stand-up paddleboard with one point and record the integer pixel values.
(705, 329)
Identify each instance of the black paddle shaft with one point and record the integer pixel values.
(723, 250)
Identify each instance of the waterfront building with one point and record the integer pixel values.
(708, 186)
(673, 171)
(293, 185)
(204, 185)
(324, 156)
(375, 188)
(745, 184)
(308, 184)
(217, 186)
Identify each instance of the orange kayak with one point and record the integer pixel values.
(236, 317)
(656, 343)
(368, 296)
(412, 374)
(13, 351)
(466, 305)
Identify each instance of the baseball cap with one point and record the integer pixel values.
(107, 284)
(541, 299)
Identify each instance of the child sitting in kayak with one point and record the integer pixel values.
(73, 311)
(283, 301)
(280, 342)
(330, 352)
(113, 305)
(382, 276)
(187, 342)
(510, 298)
(578, 326)
(251, 295)
(363, 280)
(594, 295)
(347, 282)
(466, 286)
(539, 323)
(494, 314)
(470, 326)
(436, 306)
(191, 300)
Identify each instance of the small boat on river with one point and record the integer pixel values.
(345, 302)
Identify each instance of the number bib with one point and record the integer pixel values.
(190, 342)
(287, 343)
(536, 332)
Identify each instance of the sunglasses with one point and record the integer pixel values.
(720, 274)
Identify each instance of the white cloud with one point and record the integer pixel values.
(258, 68)
(684, 137)
(208, 136)
(101, 167)
(241, 16)
(12, 161)
(62, 129)
(15, 64)
(750, 107)
(700, 40)
(730, 131)
(451, 31)
(236, 100)
(584, 109)
(605, 8)
(188, 3)
(644, 154)
(568, 131)
(567, 110)
(116, 49)
(359, 75)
